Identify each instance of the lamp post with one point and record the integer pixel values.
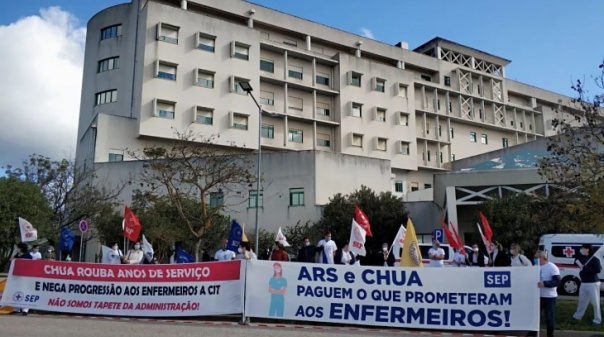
(247, 87)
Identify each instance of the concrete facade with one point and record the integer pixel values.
(341, 110)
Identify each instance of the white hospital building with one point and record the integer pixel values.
(340, 110)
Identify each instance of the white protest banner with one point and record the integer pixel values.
(192, 289)
(494, 299)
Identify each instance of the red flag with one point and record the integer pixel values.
(362, 220)
(132, 226)
(488, 233)
(449, 235)
(460, 246)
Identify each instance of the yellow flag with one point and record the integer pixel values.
(4, 310)
(412, 256)
(243, 236)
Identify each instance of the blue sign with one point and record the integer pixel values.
(438, 235)
(497, 279)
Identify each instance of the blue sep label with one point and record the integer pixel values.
(497, 279)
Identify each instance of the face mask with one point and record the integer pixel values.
(307, 243)
(137, 246)
(278, 271)
(475, 250)
(50, 250)
(384, 249)
(434, 246)
(36, 250)
(536, 261)
(173, 248)
(583, 252)
(240, 250)
(328, 238)
(114, 247)
(513, 252)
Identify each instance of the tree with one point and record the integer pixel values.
(69, 190)
(20, 199)
(385, 211)
(195, 167)
(575, 162)
(523, 218)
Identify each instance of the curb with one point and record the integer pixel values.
(278, 325)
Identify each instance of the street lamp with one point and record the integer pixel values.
(247, 87)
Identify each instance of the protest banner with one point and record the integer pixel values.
(193, 289)
(494, 299)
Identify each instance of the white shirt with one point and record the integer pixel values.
(437, 252)
(520, 261)
(36, 256)
(134, 256)
(224, 255)
(460, 260)
(546, 273)
(115, 257)
(346, 257)
(249, 255)
(329, 249)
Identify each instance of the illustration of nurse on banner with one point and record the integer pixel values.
(277, 287)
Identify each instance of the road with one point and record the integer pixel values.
(73, 326)
(78, 326)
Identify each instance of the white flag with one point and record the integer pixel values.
(599, 254)
(28, 232)
(398, 242)
(147, 249)
(106, 251)
(281, 238)
(356, 244)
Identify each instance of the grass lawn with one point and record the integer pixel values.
(565, 309)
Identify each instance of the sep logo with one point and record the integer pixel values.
(497, 279)
(20, 297)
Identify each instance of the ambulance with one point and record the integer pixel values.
(562, 249)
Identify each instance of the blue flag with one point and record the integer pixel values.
(235, 236)
(67, 239)
(184, 257)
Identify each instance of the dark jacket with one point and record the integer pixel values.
(480, 259)
(501, 260)
(338, 257)
(591, 268)
(307, 254)
(379, 259)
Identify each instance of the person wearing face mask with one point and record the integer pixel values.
(134, 256)
(307, 252)
(223, 254)
(277, 286)
(549, 280)
(35, 252)
(244, 252)
(115, 256)
(436, 255)
(499, 258)
(516, 257)
(476, 257)
(327, 247)
(589, 292)
(50, 252)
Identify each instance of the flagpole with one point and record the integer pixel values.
(81, 244)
